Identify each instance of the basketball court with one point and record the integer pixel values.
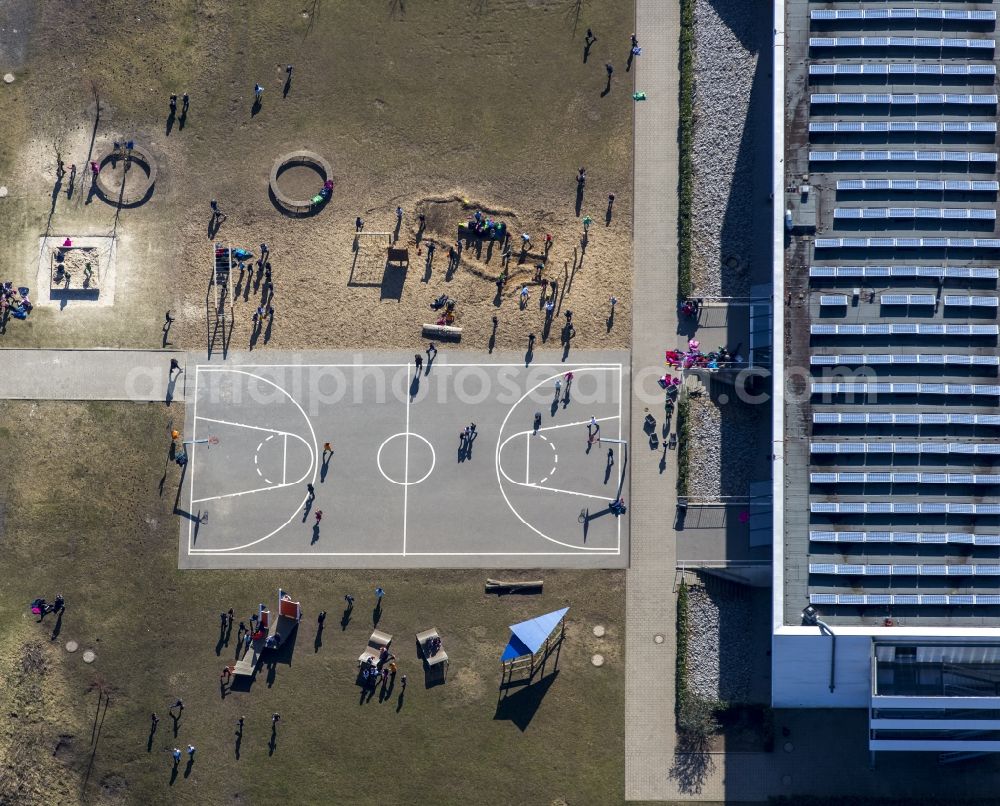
(403, 487)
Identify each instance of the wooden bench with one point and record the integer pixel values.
(424, 640)
(377, 641)
(442, 332)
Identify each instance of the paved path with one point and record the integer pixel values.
(138, 375)
(649, 676)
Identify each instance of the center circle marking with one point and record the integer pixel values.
(404, 435)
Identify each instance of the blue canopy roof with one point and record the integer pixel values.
(527, 637)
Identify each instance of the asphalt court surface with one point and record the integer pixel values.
(402, 488)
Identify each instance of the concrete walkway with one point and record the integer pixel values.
(136, 375)
(650, 610)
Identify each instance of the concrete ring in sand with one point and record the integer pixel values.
(597, 660)
(285, 202)
(72, 646)
(118, 195)
(89, 656)
(599, 631)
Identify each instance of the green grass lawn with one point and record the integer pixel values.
(83, 515)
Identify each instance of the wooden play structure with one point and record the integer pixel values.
(529, 645)
(271, 633)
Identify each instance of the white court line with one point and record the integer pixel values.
(272, 431)
(443, 363)
(406, 467)
(312, 465)
(527, 458)
(194, 435)
(499, 470)
(487, 366)
(398, 554)
(580, 422)
(620, 396)
(284, 461)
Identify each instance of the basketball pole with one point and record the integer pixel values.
(624, 462)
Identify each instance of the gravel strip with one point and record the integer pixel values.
(723, 442)
(719, 644)
(722, 199)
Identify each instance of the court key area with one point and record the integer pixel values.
(406, 482)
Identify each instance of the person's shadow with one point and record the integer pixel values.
(377, 614)
(611, 319)
(149, 741)
(308, 508)
(256, 104)
(415, 385)
(530, 354)
(607, 89)
(173, 774)
(319, 639)
(182, 121)
(239, 742)
(607, 471)
(288, 86)
(58, 626)
(188, 767)
(588, 43)
(579, 198)
(345, 619)
(273, 744)
(177, 720)
(170, 122)
(399, 700)
(468, 444)
(315, 537)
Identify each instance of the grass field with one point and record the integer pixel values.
(83, 514)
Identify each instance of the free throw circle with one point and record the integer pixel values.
(409, 456)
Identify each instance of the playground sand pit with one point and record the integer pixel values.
(404, 112)
(75, 268)
(109, 538)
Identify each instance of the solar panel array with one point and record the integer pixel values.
(903, 444)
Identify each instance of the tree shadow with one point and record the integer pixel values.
(521, 707)
(692, 764)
